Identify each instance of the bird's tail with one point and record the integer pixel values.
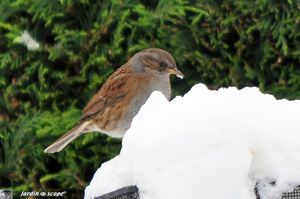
(64, 140)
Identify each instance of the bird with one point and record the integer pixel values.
(112, 108)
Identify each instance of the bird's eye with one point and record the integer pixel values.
(162, 66)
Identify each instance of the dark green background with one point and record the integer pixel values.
(220, 43)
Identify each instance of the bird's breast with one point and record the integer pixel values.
(120, 115)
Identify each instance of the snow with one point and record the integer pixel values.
(207, 144)
(29, 41)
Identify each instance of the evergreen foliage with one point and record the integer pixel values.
(81, 42)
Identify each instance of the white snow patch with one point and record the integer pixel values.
(201, 145)
(29, 41)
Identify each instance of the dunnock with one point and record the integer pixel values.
(113, 107)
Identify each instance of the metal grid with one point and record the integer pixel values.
(256, 192)
(130, 192)
(292, 195)
(289, 195)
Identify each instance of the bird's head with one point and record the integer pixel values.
(155, 61)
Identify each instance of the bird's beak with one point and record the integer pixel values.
(175, 71)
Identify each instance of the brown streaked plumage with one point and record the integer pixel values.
(113, 107)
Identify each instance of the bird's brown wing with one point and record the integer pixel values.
(113, 91)
(98, 104)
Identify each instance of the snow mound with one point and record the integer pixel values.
(207, 144)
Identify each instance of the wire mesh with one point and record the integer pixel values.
(256, 192)
(289, 195)
(130, 192)
(292, 195)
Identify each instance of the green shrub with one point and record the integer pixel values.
(220, 43)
